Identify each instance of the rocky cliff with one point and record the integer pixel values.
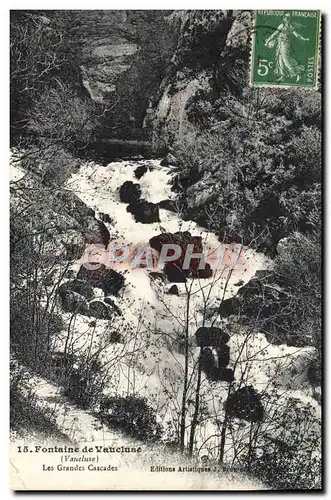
(122, 57)
(211, 52)
(147, 67)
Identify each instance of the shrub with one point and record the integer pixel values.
(288, 456)
(132, 415)
(31, 334)
(285, 303)
(61, 115)
(85, 383)
(252, 169)
(25, 413)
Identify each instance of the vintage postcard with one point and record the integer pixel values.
(165, 237)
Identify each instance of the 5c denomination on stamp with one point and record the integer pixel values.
(285, 48)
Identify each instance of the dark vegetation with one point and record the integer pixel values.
(50, 106)
(258, 152)
(133, 415)
(25, 412)
(262, 157)
(284, 303)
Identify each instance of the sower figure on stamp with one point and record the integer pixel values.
(285, 65)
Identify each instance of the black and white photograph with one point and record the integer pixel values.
(165, 250)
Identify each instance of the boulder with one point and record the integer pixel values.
(211, 336)
(223, 354)
(168, 205)
(74, 303)
(175, 274)
(169, 160)
(173, 290)
(111, 303)
(144, 211)
(245, 404)
(140, 171)
(116, 337)
(222, 375)
(179, 238)
(213, 362)
(108, 280)
(174, 269)
(129, 192)
(205, 273)
(100, 310)
(208, 361)
(78, 286)
(105, 218)
(95, 232)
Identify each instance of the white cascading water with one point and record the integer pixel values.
(152, 313)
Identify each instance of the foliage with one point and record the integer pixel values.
(61, 115)
(299, 269)
(85, 382)
(131, 414)
(32, 327)
(25, 413)
(264, 166)
(38, 54)
(288, 457)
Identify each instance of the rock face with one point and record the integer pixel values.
(210, 47)
(108, 49)
(122, 57)
(245, 404)
(94, 231)
(67, 223)
(174, 269)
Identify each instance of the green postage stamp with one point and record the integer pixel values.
(285, 48)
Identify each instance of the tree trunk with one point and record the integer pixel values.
(196, 407)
